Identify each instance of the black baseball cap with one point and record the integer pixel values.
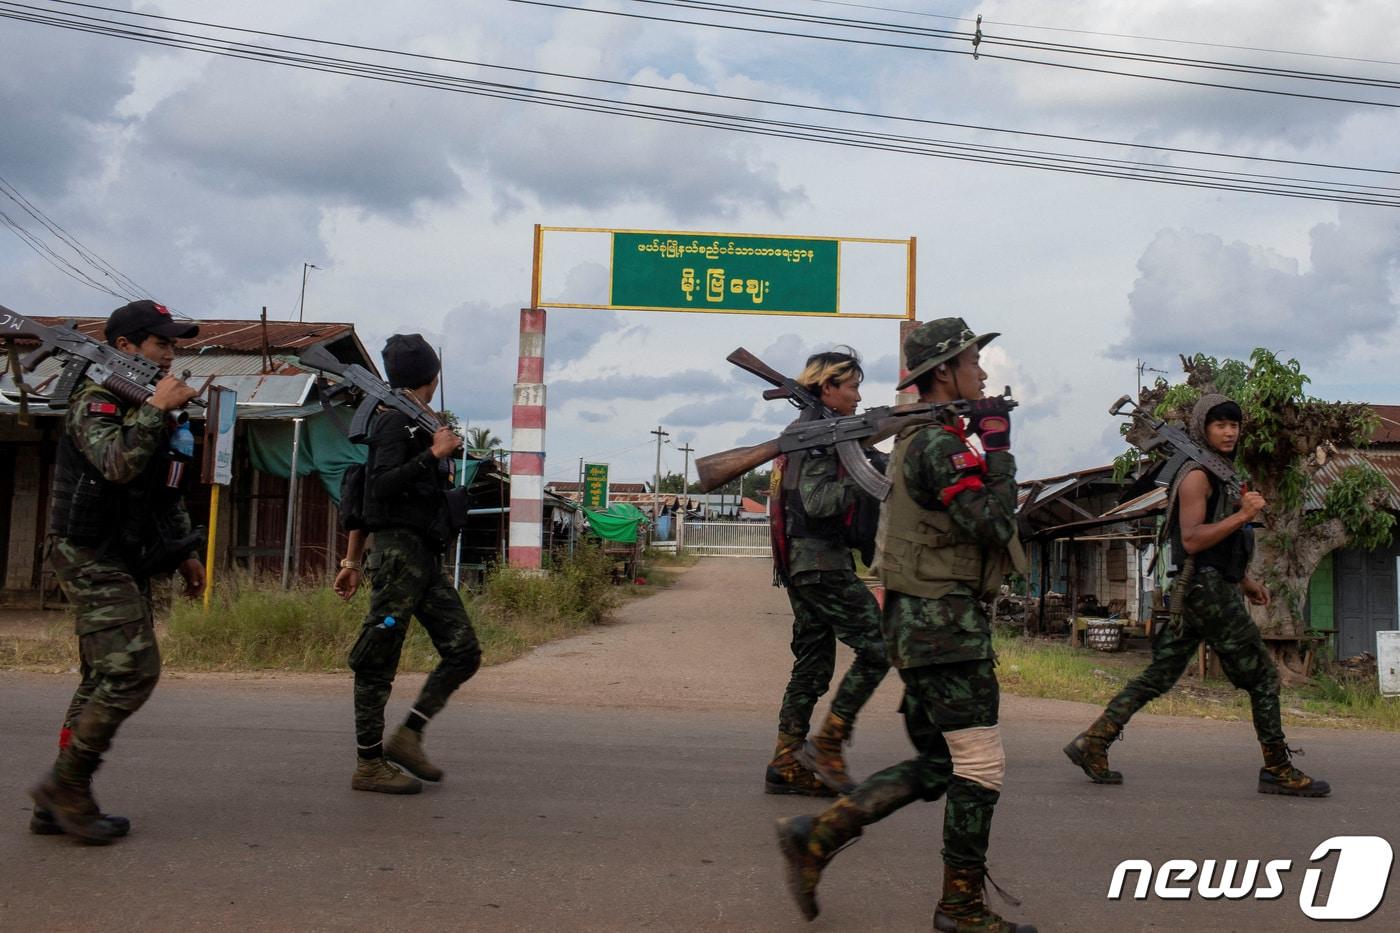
(146, 315)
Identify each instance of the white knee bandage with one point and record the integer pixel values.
(978, 755)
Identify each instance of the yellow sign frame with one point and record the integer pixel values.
(911, 245)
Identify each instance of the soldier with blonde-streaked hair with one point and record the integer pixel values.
(816, 527)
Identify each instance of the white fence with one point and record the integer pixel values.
(726, 539)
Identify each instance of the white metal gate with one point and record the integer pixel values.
(726, 539)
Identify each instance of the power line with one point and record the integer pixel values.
(52, 258)
(1146, 57)
(706, 94)
(1090, 165)
(128, 287)
(950, 51)
(1113, 35)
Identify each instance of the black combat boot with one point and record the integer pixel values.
(962, 908)
(66, 795)
(1089, 750)
(42, 823)
(1278, 776)
(786, 775)
(808, 843)
(822, 755)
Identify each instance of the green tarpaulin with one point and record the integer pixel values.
(619, 523)
(325, 451)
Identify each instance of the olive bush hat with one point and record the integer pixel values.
(937, 342)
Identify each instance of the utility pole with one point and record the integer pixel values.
(685, 497)
(685, 471)
(656, 486)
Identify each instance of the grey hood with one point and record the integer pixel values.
(1197, 427)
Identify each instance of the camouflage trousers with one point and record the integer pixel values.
(827, 605)
(939, 698)
(119, 658)
(1213, 612)
(407, 582)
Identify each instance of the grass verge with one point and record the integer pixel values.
(1040, 668)
(263, 627)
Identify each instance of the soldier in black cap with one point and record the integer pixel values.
(117, 520)
(406, 512)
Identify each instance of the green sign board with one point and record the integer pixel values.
(595, 486)
(707, 272)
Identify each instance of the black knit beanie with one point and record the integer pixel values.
(409, 362)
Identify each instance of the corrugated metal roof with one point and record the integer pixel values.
(1385, 461)
(274, 390)
(239, 336)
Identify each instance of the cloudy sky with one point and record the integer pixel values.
(210, 181)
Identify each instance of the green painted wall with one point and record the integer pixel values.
(1320, 607)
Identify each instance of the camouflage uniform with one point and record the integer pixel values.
(407, 581)
(1214, 613)
(1211, 611)
(112, 608)
(828, 602)
(943, 649)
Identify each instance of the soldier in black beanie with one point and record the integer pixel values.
(405, 511)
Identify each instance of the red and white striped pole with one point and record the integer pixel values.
(527, 445)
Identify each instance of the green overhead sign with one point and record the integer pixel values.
(694, 272)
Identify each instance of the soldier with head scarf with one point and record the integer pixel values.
(946, 540)
(1211, 545)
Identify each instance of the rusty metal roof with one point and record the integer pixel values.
(238, 336)
(1387, 462)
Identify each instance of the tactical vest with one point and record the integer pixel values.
(86, 507)
(922, 552)
(796, 522)
(92, 511)
(1230, 556)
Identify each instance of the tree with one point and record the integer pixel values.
(671, 483)
(1287, 437)
(481, 440)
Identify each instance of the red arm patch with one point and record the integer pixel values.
(965, 460)
(101, 408)
(950, 492)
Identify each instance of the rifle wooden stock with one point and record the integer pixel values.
(717, 469)
(749, 363)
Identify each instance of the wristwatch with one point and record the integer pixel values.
(347, 564)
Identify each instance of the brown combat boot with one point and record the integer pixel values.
(809, 843)
(822, 754)
(66, 795)
(379, 777)
(1278, 776)
(962, 908)
(1089, 750)
(785, 775)
(405, 749)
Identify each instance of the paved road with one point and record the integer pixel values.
(611, 782)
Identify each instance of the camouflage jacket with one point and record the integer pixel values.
(825, 495)
(955, 628)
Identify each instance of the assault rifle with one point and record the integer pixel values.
(376, 392)
(129, 377)
(846, 434)
(1178, 447)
